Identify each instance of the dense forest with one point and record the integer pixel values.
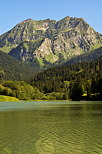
(77, 81)
(12, 69)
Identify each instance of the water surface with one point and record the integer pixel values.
(51, 127)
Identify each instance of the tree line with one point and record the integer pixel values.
(76, 81)
(81, 81)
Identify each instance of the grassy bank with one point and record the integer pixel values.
(8, 99)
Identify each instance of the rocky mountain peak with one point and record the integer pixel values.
(45, 40)
(25, 21)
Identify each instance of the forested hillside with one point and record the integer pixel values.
(81, 81)
(76, 81)
(12, 69)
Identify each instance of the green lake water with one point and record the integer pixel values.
(49, 127)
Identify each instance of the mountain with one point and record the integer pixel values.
(48, 42)
(12, 69)
(86, 57)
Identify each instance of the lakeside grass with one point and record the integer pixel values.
(4, 98)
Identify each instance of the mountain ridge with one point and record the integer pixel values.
(86, 57)
(46, 42)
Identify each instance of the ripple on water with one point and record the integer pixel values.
(53, 130)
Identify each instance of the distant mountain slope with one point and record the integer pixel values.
(46, 42)
(90, 56)
(11, 69)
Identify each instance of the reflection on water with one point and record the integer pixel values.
(60, 128)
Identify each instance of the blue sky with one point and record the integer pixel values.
(15, 11)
